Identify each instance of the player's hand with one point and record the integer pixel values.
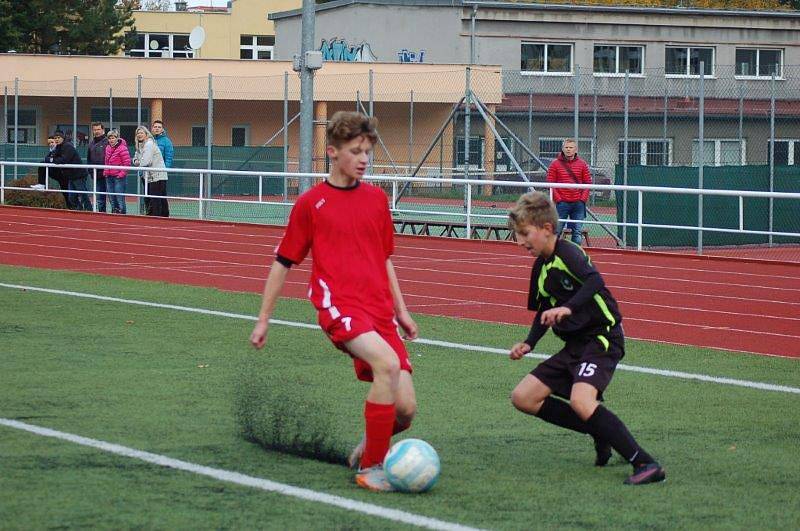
(519, 350)
(409, 326)
(555, 315)
(258, 337)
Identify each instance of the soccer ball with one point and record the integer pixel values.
(412, 465)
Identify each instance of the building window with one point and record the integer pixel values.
(610, 59)
(719, 152)
(551, 147)
(161, 45)
(546, 58)
(198, 136)
(475, 152)
(26, 126)
(240, 135)
(787, 152)
(685, 61)
(757, 62)
(646, 152)
(256, 46)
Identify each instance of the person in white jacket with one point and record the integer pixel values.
(149, 156)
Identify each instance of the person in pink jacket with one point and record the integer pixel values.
(570, 202)
(117, 154)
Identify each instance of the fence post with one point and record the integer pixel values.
(771, 155)
(75, 112)
(665, 142)
(530, 114)
(5, 115)
(2, 184)
(741, 117)
(371, 114)
(410, 133)
(576, 82)
(110, 108)
(467, 119)
(625, 163)
(594, 123)
(138, 123)
(16, 122)
(701, 157)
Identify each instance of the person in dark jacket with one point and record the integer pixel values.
(66, 153)
(570, 202)
(96, 154)
(52, 173)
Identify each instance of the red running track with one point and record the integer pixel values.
(739, 305)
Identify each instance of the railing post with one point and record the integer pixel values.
(639, 221)
(625, 164)
(2, 184)
(94, 189)
(200, 198)
(469, 211)
(772, 157)
(394, 195)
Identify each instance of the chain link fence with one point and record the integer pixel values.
(727, 128)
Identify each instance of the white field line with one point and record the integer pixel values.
(433, 342)
(394, 515)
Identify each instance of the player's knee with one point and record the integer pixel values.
(405, 410)
(387, 367)
(584, 407)
(524, 402)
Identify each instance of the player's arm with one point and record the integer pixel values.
(272, 290)
(536, 332)
(404, 318)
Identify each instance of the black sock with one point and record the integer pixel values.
(558, 412)
(605, 425)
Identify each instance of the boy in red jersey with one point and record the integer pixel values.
(347, 226)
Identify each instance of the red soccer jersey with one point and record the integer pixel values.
(350, 234)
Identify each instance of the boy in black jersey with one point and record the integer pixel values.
(568, 294)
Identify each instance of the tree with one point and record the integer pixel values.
(156, 5)
(99, 27)
(9, 34)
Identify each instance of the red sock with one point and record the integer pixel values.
(379, 422)
(400, 427)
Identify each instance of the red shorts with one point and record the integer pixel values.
(348, 325)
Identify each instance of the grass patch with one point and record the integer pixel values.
(189, 386)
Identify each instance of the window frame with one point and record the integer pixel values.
(32, 132)
(458, 160)
(793, 144)
(185, 54)
(617, 47)
(643, 141)
(547, 45)
(246, 128)
(204, 127)
(254, 47)
(688, 74)
(718, 150)
(758, 51)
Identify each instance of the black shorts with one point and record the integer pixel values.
(590, 360)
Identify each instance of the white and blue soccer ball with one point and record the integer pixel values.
(412, 465)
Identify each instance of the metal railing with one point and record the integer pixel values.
(464, 206)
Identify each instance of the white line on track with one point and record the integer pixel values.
(386, 513)
(446, 344)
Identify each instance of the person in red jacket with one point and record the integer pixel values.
(570, 202)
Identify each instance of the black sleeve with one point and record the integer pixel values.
(537, 331)
(284, 261)
(592, 282)
(65, 155)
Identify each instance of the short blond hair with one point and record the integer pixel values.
(346, 125)
(533, 208)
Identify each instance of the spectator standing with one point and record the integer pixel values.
(96, 154)
(149, 156)
(164, 143)
(116, 155)
(65, 153)
(570, 202)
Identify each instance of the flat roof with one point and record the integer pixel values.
(791, 14)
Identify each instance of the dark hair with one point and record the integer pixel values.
(157, 122)
(59, 133)
(347, 125)
(51, 137)
(95, 124)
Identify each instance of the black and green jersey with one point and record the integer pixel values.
(568, 278)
